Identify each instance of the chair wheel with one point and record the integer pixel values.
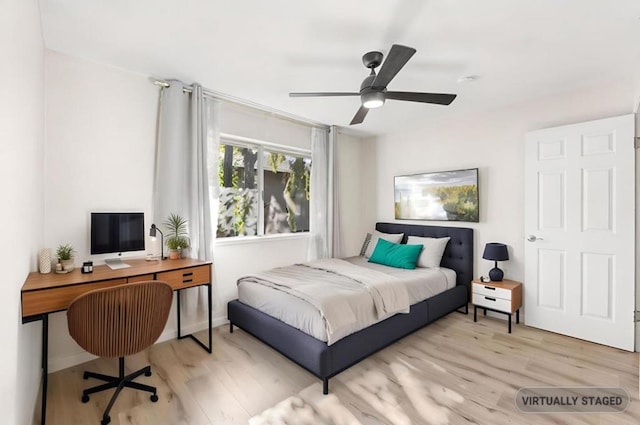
(85, 398)
(154, 398)
(105, 421)
(148, 373)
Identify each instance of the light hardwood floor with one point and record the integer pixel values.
(453, 371)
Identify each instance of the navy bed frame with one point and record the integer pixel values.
(326, 361)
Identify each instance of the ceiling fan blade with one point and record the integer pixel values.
(396, 59)
(359, 116)
(324, 94)
(437, 98)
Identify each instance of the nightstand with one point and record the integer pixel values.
(502, 297)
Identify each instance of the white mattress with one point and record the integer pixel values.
(421, 283)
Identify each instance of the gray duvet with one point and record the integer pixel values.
(330, 299)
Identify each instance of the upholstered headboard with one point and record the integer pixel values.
(458, 255)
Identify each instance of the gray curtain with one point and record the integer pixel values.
(204, 139)
(173, 155)
(186, 160)
(335, 235)
(322, 205)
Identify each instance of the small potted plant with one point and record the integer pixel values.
(177, 239)
(65, 257)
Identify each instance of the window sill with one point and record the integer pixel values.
(239, 240)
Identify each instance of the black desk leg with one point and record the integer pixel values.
(209, 302)
(509, 322)
(518, 316)
(209, 292)
(475, 313)
(45, 366)
(178, 306)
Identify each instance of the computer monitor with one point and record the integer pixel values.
(117, 232)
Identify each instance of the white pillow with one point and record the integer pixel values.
(432, 252)
(391, 237)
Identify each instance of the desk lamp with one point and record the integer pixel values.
(496, 252)
(152, 234)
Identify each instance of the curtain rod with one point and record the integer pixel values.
(256, 142)
(241, 102)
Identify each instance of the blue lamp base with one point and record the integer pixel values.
(495, 274)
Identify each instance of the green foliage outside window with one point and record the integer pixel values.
(239, 190)
(299, 181)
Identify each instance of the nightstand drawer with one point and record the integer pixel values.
(492, 302)
(491, 291)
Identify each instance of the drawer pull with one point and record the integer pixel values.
(489, 298)
(187, 274)
(187, 280)
(491, 288)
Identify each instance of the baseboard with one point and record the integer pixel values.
(69, 361)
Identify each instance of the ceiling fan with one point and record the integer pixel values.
(373, 90)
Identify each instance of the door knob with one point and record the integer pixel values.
(533, 238)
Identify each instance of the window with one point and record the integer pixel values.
(264, 189)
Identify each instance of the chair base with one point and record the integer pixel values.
(118, 382)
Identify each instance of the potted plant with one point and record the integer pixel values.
(177, 239)
(65, 257)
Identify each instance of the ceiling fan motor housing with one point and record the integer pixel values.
(366, 83)
(369, 96)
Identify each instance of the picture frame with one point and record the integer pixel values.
(438, 196)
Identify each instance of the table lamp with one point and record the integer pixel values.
(495, 252)
(152, 234)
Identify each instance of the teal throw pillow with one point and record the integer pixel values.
(395, 255)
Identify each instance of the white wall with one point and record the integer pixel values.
(239, 120)
(99, 156)
(493, 142)
(21, 164)
(356, 206)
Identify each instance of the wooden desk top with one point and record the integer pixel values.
(37, 281)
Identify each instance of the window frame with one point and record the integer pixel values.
(261, 146)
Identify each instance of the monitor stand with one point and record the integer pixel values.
(116, 263)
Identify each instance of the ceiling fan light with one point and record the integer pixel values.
(373, 99)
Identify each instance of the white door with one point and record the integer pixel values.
(580, 230)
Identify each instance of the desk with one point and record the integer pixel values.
(42, 294)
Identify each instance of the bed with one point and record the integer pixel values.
(327, 360)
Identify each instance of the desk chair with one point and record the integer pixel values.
(116, 322)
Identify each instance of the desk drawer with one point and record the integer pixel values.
(492, 302)
(186, 278)
(491, 291)
(50, 300)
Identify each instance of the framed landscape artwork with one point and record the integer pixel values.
(445, 195)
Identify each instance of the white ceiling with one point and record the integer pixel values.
(261, 50)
